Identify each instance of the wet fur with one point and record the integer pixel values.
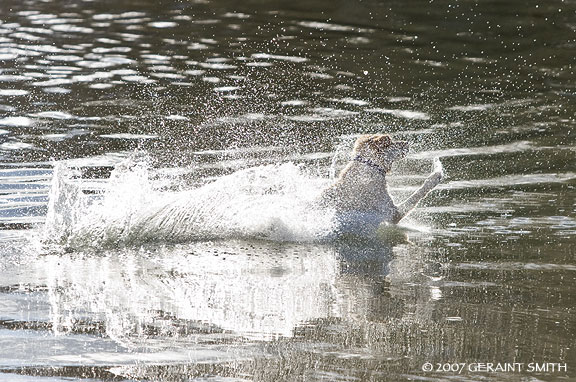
(361, 189)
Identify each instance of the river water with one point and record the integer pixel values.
(221, 120)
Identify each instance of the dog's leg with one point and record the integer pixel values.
(432, 181)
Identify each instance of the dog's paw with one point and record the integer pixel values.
(437, 171)
(437, 166)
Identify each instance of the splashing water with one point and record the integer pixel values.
(271, 202)
(341, 155)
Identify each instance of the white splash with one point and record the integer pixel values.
(270, 202)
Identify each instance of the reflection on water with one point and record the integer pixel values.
(352, 309)
(483, 271)
(248, 290)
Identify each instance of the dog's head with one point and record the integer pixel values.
(381, 149)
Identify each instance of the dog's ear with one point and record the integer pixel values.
(379, 142)
(375, 142)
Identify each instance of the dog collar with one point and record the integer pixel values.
(369, 163)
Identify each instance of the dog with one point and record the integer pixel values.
(360, 195)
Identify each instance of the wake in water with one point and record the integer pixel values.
(270, 202)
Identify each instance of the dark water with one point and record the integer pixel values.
(483, 272)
